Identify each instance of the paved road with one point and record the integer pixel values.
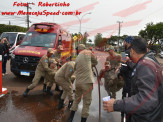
(40, 107)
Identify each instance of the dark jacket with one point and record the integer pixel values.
(125, 72)
(1, 49)
(6, 49)
(145, 102)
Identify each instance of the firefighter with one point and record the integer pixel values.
(50, 75)
(41, 70)
(57, 57)
(84, 81)
(91, 49)
(114, 82)
(63, 79)
(104, 73)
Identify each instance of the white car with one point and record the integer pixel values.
(161, 54)
(14, 38)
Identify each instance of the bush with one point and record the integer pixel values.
(11, 28)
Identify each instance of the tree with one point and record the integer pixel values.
(112, 39)
(11, 28)
(84, 39)
(103, 42)
(98, 39)
(152, 32)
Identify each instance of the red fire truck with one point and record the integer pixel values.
(38, 39)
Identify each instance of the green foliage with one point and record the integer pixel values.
(152, 32)
(112, 39)
(84, 40)
(98, 39)
(11, 28)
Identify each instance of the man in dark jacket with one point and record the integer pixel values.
(145, 103)
(125, 72)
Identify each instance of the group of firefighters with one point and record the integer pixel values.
(81, 72)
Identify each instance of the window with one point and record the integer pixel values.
(39, 39)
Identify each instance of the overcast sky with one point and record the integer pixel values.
(135, 14)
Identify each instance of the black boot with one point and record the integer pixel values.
(26, 92)
(44, 88)
(57, 88)
(49, 91)
(61, 104)
(70, 104)
(83, 119)
(71, 116)
(60, 94)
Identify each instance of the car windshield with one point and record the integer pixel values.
(39, 39)
(11, 37)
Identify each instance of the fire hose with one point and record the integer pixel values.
(99, 93)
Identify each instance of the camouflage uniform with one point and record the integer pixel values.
(104, 73)
(41, 70)
(57, 57)
(50, 75)
(112, 83)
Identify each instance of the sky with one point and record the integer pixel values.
(104, 17)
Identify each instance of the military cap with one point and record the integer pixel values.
(81, 47)
(50, 50)
(60, 47)
(53, 61)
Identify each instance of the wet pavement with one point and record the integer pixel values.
(40, 107)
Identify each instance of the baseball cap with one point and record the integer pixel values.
(129, 39)
(50, 50)
(60, 47)
(81, 47)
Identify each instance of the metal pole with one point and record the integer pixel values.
(27, 17)
(99, 94)
(119, 32)
(28, 13)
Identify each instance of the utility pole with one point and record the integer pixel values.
(119, 22)
(28, 13)
(9, 23)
